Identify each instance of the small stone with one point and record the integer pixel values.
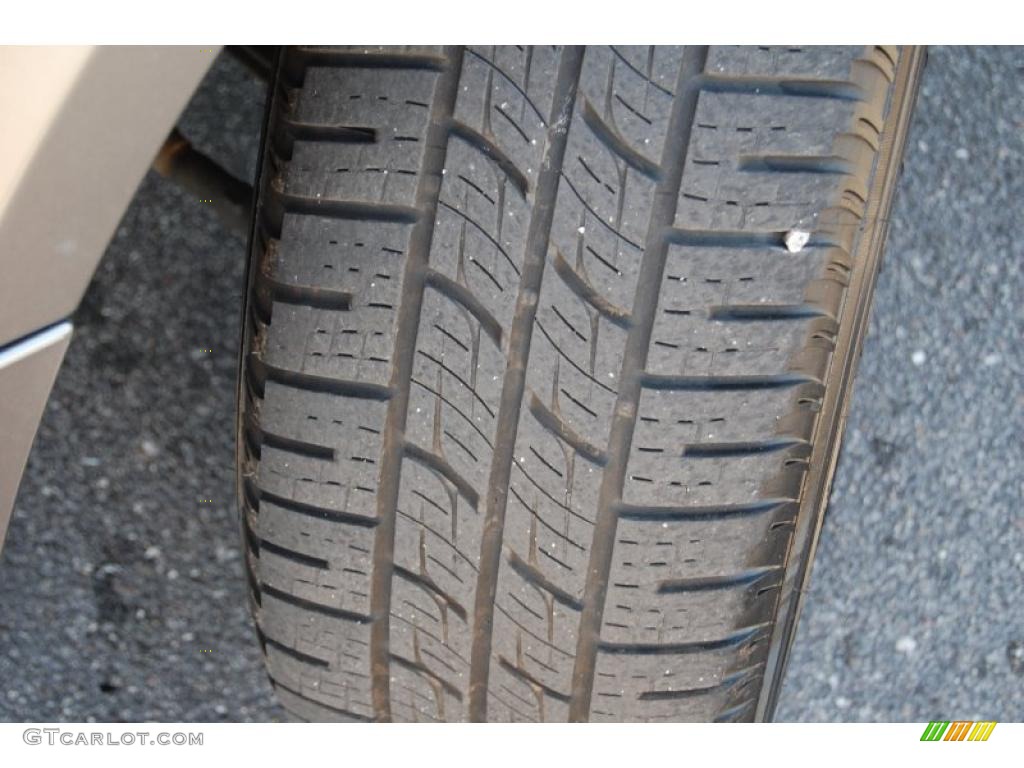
(796, 239)
(150, 449)
(992, 359)
(962, 153)
(152, 553)
(918, 357)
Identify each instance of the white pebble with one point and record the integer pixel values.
(918, 357)
(962, 153)
(796, 239)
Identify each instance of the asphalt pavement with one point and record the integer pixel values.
(122, 595)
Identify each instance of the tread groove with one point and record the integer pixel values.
(725, 382)
(298, 205)
(556, 425)
(795, 164)
(312, 510)
(534, 576)
(427, 673)
(335, 710)
(748, 312)
(307, 296)
(587, 293)
(612, 139)
(291, 445)
(746, 578)
(781, 86)
(325, 57)
(291, 554)
(314, 383)
(312, 605)
(461, 295)
(287, 650)
(718, 512)
(441, 466)
(432, 588)
(490, 149)
(741, 448)
(738, 638)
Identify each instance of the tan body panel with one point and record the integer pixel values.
(78, 129)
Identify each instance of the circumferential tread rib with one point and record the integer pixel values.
(514, 382)
(394, 447)
(620, 438)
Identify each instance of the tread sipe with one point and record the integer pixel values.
(540, 394)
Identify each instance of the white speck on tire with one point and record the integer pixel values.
(906, 644)
(796, 239)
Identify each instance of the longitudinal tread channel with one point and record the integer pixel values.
(536, 404)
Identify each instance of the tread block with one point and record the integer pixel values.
(358, 257)
(624, 683)
(340, 642)
(507, 96)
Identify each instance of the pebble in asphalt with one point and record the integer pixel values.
(122, 596)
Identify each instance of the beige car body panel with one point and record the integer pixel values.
(78, 130)
(27, 371)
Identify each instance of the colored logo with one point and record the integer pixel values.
(961, 730)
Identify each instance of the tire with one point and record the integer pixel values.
(541, 391)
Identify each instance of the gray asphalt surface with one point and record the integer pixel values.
(121, 589)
